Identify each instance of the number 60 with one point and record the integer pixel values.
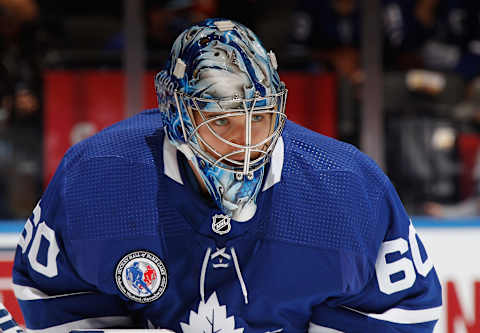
(50, 269)
(385, 270)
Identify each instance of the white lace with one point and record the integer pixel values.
(223, 255)
(220, 253)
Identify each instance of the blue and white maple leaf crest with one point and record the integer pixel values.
(210, 318)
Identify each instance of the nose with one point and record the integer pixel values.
(237, 133)
(238, 137)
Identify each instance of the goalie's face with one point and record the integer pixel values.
(229, 136)
(233, 134)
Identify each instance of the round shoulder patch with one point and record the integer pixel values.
(141, 276)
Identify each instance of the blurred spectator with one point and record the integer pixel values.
(27, 41)
(408, 24)
(466, 208)
(6, 105)
(326, 36)
(433, 34)
(166, 19)
(270, 19)
(24, 42)
(6, 96)
(467, 112)
(19, 55)
(329, 31)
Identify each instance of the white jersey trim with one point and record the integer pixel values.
(14, 329)
(87, 324)
(24, 293)
(314, 328)
(403, 316)
(170, 163)
(275, 173)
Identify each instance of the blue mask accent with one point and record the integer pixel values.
(235, 198)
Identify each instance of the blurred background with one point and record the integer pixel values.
(400, 79)
(397, 78)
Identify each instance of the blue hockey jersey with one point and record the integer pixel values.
(121, 238)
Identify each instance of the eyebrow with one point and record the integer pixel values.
(209, 115)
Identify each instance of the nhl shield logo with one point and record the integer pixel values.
(221, 224)
(141, 276)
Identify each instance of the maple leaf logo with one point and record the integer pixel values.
(211, 318)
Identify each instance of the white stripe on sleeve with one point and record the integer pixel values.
(314, 328)
(403, 316)
(87, 324)
(25, 293)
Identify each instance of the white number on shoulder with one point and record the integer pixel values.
(403, 266)
(40, 230)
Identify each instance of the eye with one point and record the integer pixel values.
(257, 118)
(221, 122)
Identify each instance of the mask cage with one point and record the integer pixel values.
(212, 110)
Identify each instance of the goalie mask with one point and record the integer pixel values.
(223, 106)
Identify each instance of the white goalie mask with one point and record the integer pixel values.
(223, 106)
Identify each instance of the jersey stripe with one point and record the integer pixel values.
(275, 171)
(25, 293)
(403, 316)
(87, 324)
(314, 328)
(170, 164)
(7, 324)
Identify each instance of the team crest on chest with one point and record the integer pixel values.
(141, 276)
(210, 317)
(221, 224)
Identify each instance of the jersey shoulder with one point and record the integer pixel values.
(329, 193)
(110, 180)
(127, 139)
(311, 152)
